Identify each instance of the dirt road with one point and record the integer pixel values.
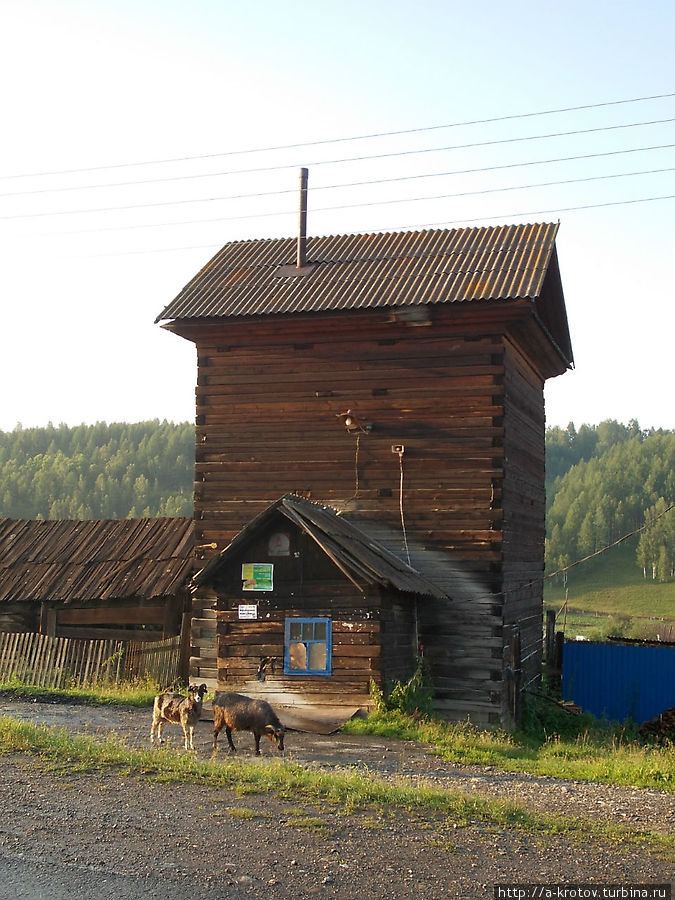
(187, 840)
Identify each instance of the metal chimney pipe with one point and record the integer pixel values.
(301, 257)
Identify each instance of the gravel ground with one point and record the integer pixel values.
(178, 840)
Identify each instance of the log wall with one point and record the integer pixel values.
(16, 618)
(126, 620)
(269, 397)
(457, 394)
(524, 507)
(147, 620)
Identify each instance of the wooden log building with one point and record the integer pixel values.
(392, 383)
(125, 579)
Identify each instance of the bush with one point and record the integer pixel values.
(414, 696)
(543, 720)
(617, 626)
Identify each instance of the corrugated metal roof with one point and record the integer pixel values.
(67, 561)
(363, 560)
(362, 271)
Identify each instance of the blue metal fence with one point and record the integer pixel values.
(619, 681)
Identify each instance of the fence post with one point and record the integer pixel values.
(550, 635)
(515, 675)
(185, 642)
(558, 651)
(47, 620)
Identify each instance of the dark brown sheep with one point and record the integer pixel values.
(236, 712)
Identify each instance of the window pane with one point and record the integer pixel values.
(298, 656)
(307, 646)
(317, 657)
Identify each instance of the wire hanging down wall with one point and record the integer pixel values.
(356, 426)
(400, 450)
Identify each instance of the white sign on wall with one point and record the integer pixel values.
(248, 610)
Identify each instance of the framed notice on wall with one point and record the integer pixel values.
(257, 576)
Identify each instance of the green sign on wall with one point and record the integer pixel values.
(257, 576)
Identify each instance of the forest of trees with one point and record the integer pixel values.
(100, 471)
(603, 482)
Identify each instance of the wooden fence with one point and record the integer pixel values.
(53, 662)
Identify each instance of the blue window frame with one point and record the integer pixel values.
(307, 646)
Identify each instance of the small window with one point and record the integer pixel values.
(307, 647)
(279, 544)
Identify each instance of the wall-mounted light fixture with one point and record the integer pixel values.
(353, 423)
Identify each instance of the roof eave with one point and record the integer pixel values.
(357, 571)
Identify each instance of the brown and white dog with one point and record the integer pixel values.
(180, 710)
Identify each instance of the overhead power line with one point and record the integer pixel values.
(516, 165)
(341, 161)
(514, 187)
(388, 202)
(362, 137)
(536, 581)
(366, 182)
(406, 227)
(470, 146)
(530, 212)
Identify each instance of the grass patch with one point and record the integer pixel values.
(59, 750)
(375, 823)
(577, 748)
(552, 741)
(613, 585)
(242, 812)
(313, 823)
(137, 693)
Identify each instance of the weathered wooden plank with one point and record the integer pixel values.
(436, 345)
(109, 633)
(344, 651)
(118, 615)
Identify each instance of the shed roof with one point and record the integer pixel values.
(362, 559)
(359, 271)
(78, 561)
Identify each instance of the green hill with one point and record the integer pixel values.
(605, 483)
(97, 471)
(615, 598)
(600, 500)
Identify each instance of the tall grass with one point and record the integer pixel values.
(552, 742)
(136, 693)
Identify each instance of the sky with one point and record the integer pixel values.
(140, 136)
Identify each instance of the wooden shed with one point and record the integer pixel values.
(306, 594)
(397, 379)
(123, 579)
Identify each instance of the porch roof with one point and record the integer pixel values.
(362, 559)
